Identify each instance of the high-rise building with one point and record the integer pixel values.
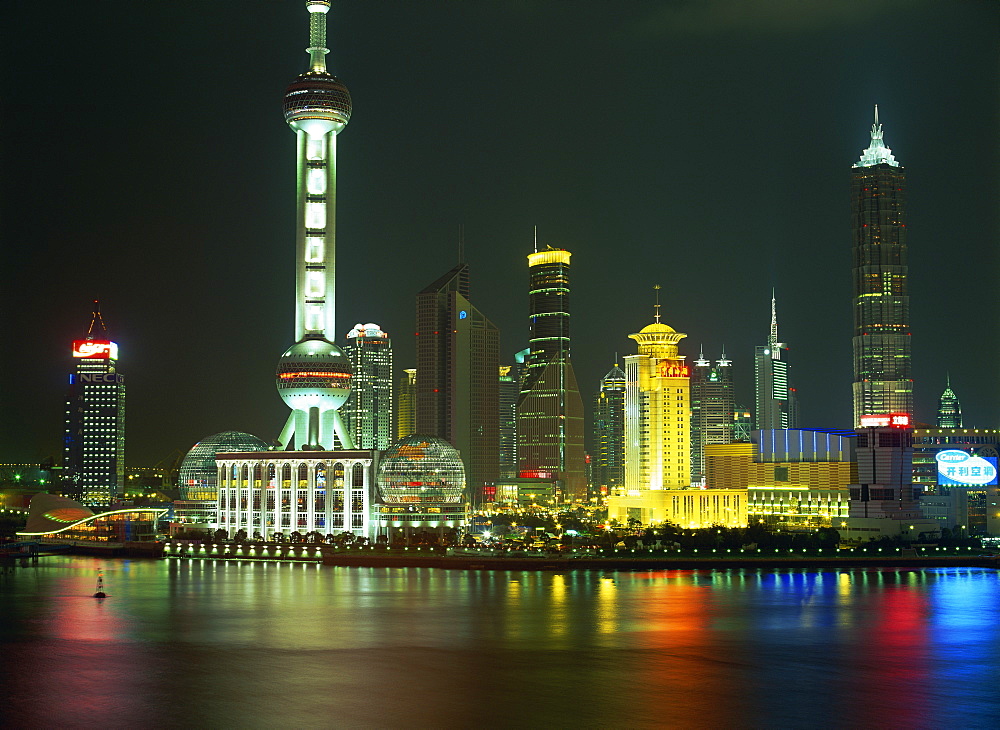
(609, 433)
(406, 404)
(776, 406)
(949, 414)
(94, 442)
(458, 358)
(368, 410)
(549, 408)
(314, 375)
(713, 409)
(883, 382)
(510, 388)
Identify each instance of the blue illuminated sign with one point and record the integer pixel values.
(962, 469)
(463, 314)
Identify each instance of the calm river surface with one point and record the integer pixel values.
(244, 645)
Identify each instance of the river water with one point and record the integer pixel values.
(264, 645)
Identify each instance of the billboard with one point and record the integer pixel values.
(95, 349)
(956, 468)
(893, 420)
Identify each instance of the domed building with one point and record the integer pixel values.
(198, 472)
(421, 482)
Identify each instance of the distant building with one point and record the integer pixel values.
(510, 389)
(94, 443)
(609, 433)
(549, 407)
(949, 414)
(713, 409)
(406, 404)
(458, 353)
(776, 406)
(367, 413)
(883, 381)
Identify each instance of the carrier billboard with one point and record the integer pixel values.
(958, 468)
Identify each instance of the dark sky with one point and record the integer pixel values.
(701, 145)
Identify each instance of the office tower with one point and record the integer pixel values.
(949, 414)
(314, 375)
(713, 409)
(775, 400)
(885, 473)
(368, 410)
(657, 411)
(458, 358)
(608, 463)
(406, 404)
(883, 382)
(94, 443)
(549, 407)
(510, 387)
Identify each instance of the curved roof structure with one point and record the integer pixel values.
(49, 514)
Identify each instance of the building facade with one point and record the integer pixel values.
(775, 399)
(458, 353)
(94, 437)
(549, 407)
(609, 433)
(368, 410)
(406, 404)
(509, 390)
(713, 409)
(883, 381)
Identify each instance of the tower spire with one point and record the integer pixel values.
(97, 319)
(317, 34)
(877, 152)
(773, 339)
(656, 307)
(536, 239)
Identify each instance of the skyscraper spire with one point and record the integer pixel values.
(656, 307)
(317, 34)
(97, 319)
(877, 152)
(949, 413)
(773, 339)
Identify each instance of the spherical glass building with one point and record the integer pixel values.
(421, 469)
(198, 473)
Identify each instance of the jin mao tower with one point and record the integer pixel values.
(883, 382)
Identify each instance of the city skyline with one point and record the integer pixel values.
(154, 252)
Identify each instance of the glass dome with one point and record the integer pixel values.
(198, 473)
(421, 469)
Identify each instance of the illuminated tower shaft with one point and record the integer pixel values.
(883, 382)
(314, 375)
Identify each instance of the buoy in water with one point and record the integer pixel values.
(100, 586)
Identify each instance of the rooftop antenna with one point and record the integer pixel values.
(656, 307)
(96, 318)
(536, 239)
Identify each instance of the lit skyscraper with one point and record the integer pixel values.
(949, 414)
(549, 408)
(775, 406)
(609, 433)
(713, 409)
(406, 404)
(510, 388)
(883, 382)
(368, 410)
(314, 375)
(94, 442)
(458, 358)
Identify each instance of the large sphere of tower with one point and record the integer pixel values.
(314, 373)
(317, 103)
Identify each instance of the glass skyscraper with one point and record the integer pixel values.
(367, 413)
(713, 408)
(775, 400)
(949, 414)
(883, 382)
(609, 433)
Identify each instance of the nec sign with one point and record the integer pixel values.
(99, 378)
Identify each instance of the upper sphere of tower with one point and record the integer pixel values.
(316, 103)
(314, 372)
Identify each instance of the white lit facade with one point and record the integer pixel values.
(368, 411)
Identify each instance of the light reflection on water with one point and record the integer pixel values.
(276, 644)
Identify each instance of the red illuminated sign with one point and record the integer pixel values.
(95, 349)
(891, 420)
(535, 474)
(672, 369)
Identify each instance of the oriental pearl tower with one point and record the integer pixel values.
(314, 375)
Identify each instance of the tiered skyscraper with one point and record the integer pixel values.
(776, 406)
(458, 358)
(609, 433)
(949, 414)
(368, 410)
(713, 408)
(94, 443)
(549, 408)
(883, 382)
(406, 404)
(314, 375)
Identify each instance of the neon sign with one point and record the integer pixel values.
(95, 349)
(312, 374)
(673, 369)
(960, 468)
(891, 420)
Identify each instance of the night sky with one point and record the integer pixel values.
(703, 145)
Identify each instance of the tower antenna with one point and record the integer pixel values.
(536, 239)
(317, 34)
(656, 307)
(96, 318)
(774, 322)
